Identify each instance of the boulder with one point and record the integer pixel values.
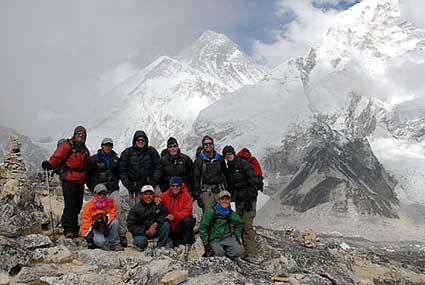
(57, 254)
(175, 277)
(34, 241)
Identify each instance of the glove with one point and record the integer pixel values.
(99, 224)
(209, 251)
(200, 203)
(247, 205)
(46, 165)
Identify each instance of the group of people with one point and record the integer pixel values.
(162, 189)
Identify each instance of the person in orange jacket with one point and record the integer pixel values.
(178, 202)
(99, 224)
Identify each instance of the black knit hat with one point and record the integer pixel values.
(172, 141)
(227, 149)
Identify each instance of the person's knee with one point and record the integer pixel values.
(234, 251)
(188, 222)
(99, 241)
(140, 241)
(165, 227)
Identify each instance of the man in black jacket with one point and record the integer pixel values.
(174, 163)
(139, 166)
(147, 220)
(104, 168)
(208, 175)
(242, 183)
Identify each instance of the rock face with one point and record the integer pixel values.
(32, 154)
(21, 211)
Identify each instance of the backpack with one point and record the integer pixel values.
(61, 168)
(244, 153)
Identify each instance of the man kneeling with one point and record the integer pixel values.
(221, 229)
(99, 226)
(146, 220)
(178, 202)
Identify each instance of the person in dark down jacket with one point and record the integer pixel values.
(72, 156)
(147, 220)
(178, 202)
(208, 175)
(139, 166)
(220, 229)
(175, 163)
(242, 183)
(104, 167)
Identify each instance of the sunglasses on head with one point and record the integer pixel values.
(208, 143)
(175, 185)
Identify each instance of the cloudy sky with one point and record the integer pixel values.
(57, 57)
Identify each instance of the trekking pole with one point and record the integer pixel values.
(50, 202)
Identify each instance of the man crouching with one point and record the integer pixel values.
(99, 225)
(221, 229)
(146, 220)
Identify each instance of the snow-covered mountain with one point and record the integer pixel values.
(165, 97)
(358, 78)
(216, 55)
(32, 154)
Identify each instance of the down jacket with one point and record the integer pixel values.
(179, 206)
(89, 215)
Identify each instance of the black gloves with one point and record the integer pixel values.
(46, 165)
(209, 251)
(100, 223)
(200, 203)
(247, 205)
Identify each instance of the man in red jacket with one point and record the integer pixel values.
(71, 156)
(178, 202)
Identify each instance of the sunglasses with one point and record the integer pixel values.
(175, 185)
(140, 140)
(172, 146)
(207, 144)
(108, 144)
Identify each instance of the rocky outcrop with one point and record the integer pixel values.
(21, 211)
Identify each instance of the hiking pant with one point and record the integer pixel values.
(122, 211)
(229, 247)
(110, 235)
(134, 197)
(248, 233)
(73, 199)
(209, 200)
(186, 236)
(162, 233)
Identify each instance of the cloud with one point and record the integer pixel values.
(311, 19)
(412, 10)
(57, 56)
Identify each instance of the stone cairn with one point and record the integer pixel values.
(21, 213)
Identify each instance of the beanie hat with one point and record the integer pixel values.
(80, 129)
(176, 180)
(228, 149)
(207, 137)
(172, 141)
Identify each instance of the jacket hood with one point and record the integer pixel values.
(204, 156)
(244, 153)
(139, 134)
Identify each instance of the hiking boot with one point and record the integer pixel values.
(187, 248)
(123, 241)
(69, 235)
(91, 244)
(253, 259)
(116, 247)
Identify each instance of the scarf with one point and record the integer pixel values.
(101, 203)
(223, 211)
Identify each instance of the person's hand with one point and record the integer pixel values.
(209, 251)
(170, 217)
(157, 200)
(46, 165)
(247, 205)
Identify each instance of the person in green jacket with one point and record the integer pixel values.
(221, 228)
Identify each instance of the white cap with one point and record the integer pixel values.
(147, 188)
